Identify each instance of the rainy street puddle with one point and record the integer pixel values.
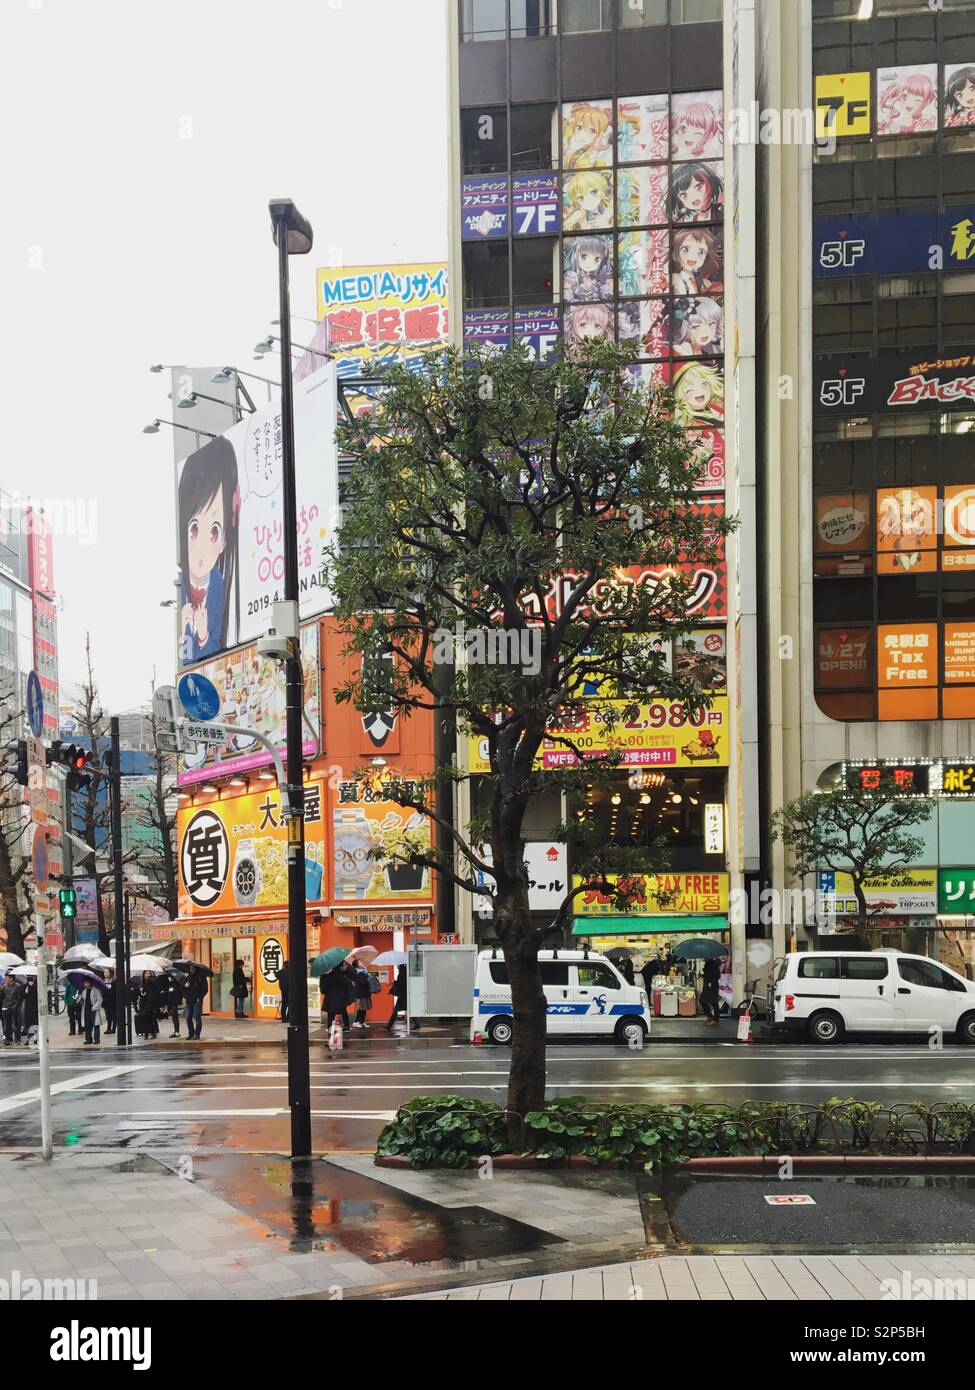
(318, 1206)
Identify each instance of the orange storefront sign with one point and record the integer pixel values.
(907, 670)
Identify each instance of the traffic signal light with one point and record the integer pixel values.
(67, 903)
(23, 772)
(75, 759)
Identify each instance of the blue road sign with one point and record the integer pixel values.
(35, 705)
(39, 859)
(827, 881)
(198, 696)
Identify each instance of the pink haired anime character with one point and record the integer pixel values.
(696, 131)
(908, 103)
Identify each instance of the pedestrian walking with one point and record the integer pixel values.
(28, 1012)
(335, 997)
(363, 996)
(398, 991)
(11, 996)
(92, 1012)
(239, 990)
(174, 997)
(194, 992)
(72, 1002)
(710, 998)
(284, 984)
(146, 1001)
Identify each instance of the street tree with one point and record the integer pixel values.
(16, 884)
(156, 813)
(514, 537)
(856, 830)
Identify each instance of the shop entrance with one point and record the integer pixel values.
(222, 965)
(244, 955)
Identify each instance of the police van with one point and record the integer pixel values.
(585, 994)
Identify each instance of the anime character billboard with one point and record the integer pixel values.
(642, 129)
(907, 99)
(230, 537)
(696, 125)
(697, 192)
(959, 95)
(587, 268)
(587, 134)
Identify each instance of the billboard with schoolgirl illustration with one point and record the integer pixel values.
(230, 521)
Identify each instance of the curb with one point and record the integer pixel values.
(748, 1164)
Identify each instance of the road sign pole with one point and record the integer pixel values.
(43, 1048)
(121, 982)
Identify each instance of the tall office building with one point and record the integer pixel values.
(595, 193)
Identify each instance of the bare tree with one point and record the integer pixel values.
(157, 814)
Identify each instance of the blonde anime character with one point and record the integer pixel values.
(587, 132)
(587, 201)
(699, 394)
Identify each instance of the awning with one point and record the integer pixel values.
(646, 926)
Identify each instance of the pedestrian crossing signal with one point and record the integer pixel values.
(67, 903)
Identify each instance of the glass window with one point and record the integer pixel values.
(485, 274)
(585, 16)
(925, 972)
(695, 11)
(533, 262)
(864, 968)
(819, 968)
(904, 321)
(958, 318)
(531, 136)
(482, 19)
(532, 19)
(598, 975)
(958, 178)
(553, 972)
(484, 139)
(903, 597)
(907, 181)
(642, 14)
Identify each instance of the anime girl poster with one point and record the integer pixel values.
(584, 322)
(644, 327)
(907, 99)
(696, 192)
(643, 263)
(697, 327)
(696, 126)
(587, 200)
(587, 269)
(642, 129)
(959, 95)
(697, 261)
(209, 527)
(698, 393)
(641, 195)
(587, 134)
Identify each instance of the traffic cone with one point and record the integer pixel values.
(477, 1039)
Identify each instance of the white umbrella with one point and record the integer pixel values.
(25, 972)
(151, 963)
(85, 951)
(391, 958)
(8, 960)
(101, 963)
(366, 954)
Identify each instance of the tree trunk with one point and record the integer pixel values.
(526, 1079)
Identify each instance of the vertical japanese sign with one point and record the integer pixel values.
(230, 529)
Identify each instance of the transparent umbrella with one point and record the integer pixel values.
(84, 951)
(8, 960)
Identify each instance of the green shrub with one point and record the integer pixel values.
(454, 1132)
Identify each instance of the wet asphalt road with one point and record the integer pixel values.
(234, 1098)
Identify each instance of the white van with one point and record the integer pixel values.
(824, 994)
(585, 994)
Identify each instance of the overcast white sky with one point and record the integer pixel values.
(124, 244)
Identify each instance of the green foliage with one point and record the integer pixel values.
(455, 1132)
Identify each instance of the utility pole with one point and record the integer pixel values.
(115, 790)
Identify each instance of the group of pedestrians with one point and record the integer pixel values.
(18, 1008)
(91, 1005)
(351, 986)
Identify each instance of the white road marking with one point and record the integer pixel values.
(60, 1087)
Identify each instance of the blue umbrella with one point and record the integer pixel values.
(78, 977)
(699, 948)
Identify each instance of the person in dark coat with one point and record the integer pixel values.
(194, 992)
(710, 998)
(363, 996)
(174, 997)
(29, 1010)
(335, 996)
(111, 1022)
(146, 1001)
(11, 998)
(73, 1001)
(398, 991)
(625, 966)
(284, 984)
(240, 990)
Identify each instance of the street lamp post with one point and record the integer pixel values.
(293, 236)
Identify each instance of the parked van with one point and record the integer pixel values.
(585, 994)
(824, 994)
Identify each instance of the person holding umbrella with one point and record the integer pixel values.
(335, 995)
(174, 997)
(28, 1009)
(363, 995)
(92, 1010)
(145, 997)
(398, 991)
(73, 1002)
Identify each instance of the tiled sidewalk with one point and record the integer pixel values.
(738, 1278)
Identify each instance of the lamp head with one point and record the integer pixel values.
(286, 217)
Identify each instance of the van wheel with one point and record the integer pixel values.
(965, 1031)
(500, 1031)
(825, 1028)
(631, 1032)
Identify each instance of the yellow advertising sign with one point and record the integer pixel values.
(842, 104)
(910, 891)
(671, 895)
(398, 310)
(233, 854)
(654, 735)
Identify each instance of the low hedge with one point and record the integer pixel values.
(455, 1132)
